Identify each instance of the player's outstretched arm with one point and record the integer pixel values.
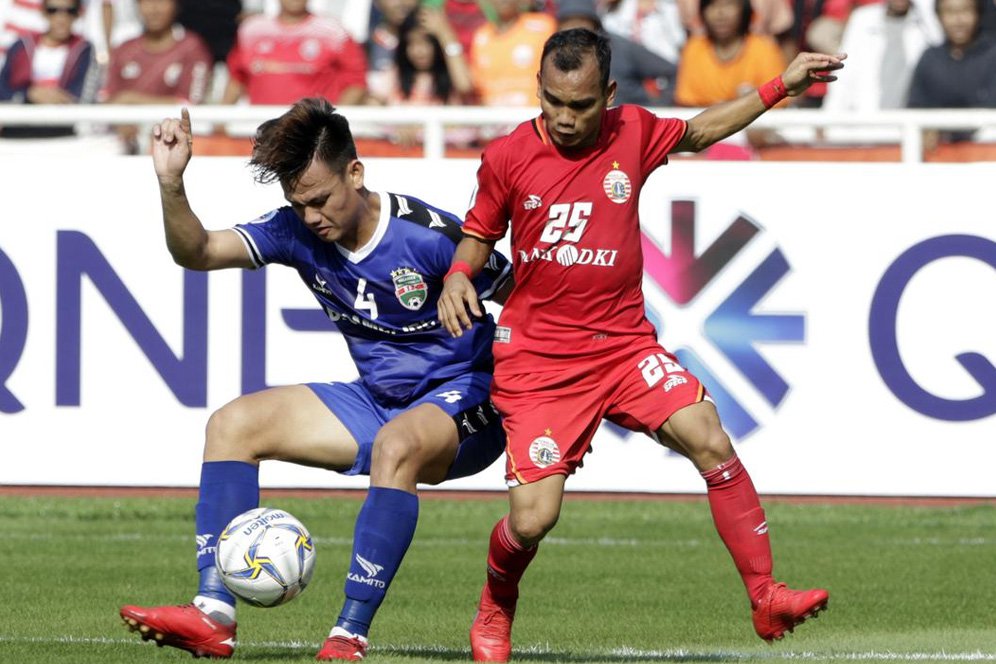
(722, 120)
(458, 301)
(188, 242)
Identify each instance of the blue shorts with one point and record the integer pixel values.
(465, 399)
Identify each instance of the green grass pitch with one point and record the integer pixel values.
(616, 581)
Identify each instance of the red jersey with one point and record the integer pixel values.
(575, 235)
(181, 72)
(280, 63)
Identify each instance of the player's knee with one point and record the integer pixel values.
(711, 448)
(394, 450)
(529, 527)
(228, 434)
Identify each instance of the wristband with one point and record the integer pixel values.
(772, 92)
(463, 267)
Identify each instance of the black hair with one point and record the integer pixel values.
(746, 14)
(77, 6)
(442, 85)
(568, 48)
(284, 147)
(980, 8)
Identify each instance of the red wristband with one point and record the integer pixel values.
(772, 92)
(463, 267)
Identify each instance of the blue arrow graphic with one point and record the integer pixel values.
(733, 329)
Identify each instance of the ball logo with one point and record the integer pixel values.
(544, 452)
(409, 287)
(567, 255)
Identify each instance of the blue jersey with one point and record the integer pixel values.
(383, 296)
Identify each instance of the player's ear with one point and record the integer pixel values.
(354, 172)
(610, 94)
(539, 86)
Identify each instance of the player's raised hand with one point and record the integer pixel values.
(809, 68)
(457, 299)
(171, 145)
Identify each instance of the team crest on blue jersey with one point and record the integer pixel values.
(409, 287)
(263, 218)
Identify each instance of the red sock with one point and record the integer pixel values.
(507, 561)
(739, 519)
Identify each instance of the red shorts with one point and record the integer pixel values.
(550, 417)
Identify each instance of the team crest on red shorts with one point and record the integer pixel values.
(543, 452)
(617, 185)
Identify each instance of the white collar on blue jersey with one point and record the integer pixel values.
(378, 235)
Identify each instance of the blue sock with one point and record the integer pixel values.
(384, 529)
(228, 488)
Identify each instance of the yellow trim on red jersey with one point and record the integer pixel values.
(477, 235)
(511, 459)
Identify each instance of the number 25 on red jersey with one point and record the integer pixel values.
(567, 222)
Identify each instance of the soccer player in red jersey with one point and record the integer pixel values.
(573, 345)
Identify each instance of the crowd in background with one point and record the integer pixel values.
(694, 53)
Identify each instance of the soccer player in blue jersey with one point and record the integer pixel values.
(419, 411)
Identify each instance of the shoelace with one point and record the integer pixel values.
(346, 643)
(497, 621)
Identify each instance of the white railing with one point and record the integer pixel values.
(904, 127)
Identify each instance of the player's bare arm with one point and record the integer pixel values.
(188, 242)
(722, 120)
(458, 301)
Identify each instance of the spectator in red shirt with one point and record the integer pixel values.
(164, 65)
(281, 59)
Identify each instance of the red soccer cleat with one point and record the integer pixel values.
(782, 608)
(185, 627)
(491, 633)
(341, 646)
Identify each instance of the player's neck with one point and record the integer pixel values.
(287, 17)
(728, 48)
(367, 225)
(160, 40)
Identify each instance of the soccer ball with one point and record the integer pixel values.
(265, 556)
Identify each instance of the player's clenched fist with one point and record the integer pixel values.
(171, 145)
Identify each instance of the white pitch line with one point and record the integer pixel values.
(607, 542)
(675, 655)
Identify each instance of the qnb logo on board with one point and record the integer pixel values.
(885, 334)
(728, 328)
